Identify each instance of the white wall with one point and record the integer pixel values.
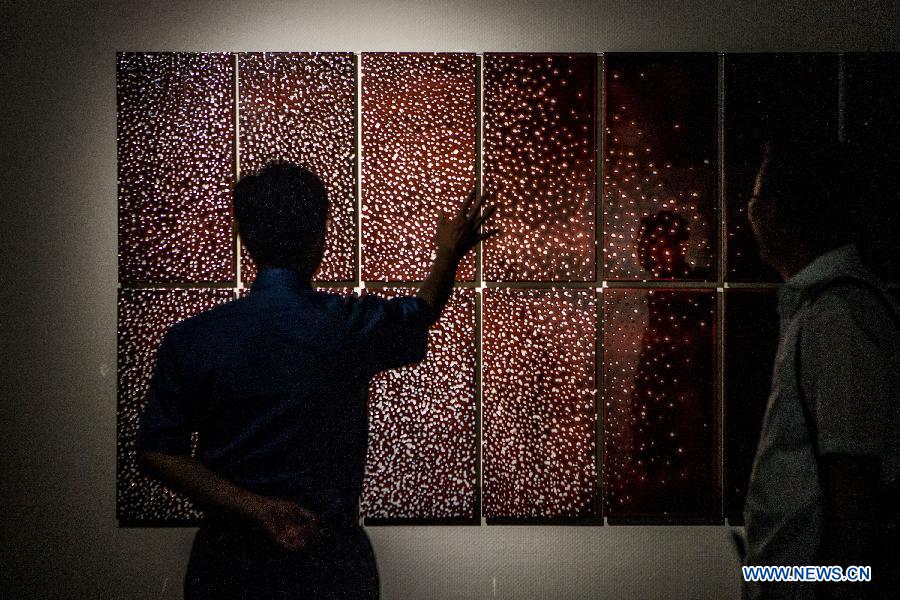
(58, 284)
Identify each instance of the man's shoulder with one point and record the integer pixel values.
(210, 319)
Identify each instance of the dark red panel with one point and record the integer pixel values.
(660, 155)
(418, 157)
(539, 161)
(661, 452)
(751, 339)
(144, 316)
(422, 448)
(301, 108)
(769, 96)
(872, 129)
(539, 423)
(175, 167)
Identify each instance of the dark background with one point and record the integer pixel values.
(58, 282)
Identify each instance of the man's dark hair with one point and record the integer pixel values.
(281, 213)
(811, 183)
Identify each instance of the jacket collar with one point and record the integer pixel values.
(278, 277)
(834, 264)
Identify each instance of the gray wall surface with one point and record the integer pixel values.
(60, 538)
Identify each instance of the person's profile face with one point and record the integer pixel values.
(762, 213)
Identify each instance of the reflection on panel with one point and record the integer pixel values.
(175, 167)
(769, 96)
(301, 108)
(422, 449)
(872, 128)
(144, 316)
(539, 145)
(751, 338)
(418, 157)
(659, 404)
(660, 156)
(539, 425)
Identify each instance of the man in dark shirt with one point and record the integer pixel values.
(276, 384)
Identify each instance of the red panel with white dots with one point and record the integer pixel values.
(659, 403)
(538, 412)
(144, 316)
(660, 156)
(539, 163)
(301, 107)
(175, 153)
(418, 158)
(422, 448)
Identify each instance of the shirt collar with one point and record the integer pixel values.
(279, 277)
(840, 262)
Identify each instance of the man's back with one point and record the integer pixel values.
(275, 384)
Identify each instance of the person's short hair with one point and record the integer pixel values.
(670, 225)
(811, 184)
(281, 212)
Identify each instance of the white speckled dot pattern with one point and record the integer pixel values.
(660, 154)
(144, 316)
(539, 390)
(301, 107)
(422, 448)
(418, 158)
(659, 403)
(539, 161)
(175, 146)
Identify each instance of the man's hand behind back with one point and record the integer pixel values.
(288, 524)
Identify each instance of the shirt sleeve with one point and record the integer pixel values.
(845, 368)
(166, 424)
(389, 333)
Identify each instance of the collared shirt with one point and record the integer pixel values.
(275, 384)
(845, 337)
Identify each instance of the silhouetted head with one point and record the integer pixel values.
(662, 244)
(282, 213)
(799, 206)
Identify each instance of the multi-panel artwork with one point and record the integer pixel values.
(606, 357)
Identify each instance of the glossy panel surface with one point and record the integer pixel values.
(539, 160)
(422, 449)
(660, 156)
(175, 167)
(144, 316)
(301, 108)
(418, 158)
(751, 339)
(872, 129)
(769, 96)
(659, 404)
(538, 415)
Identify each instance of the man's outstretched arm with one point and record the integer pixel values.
(454, 238)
